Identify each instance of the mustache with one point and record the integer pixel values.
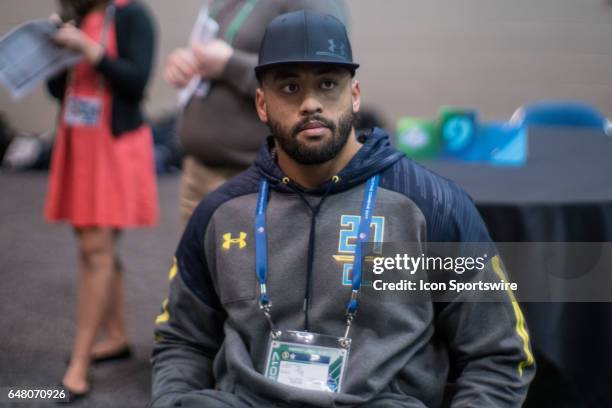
(301, 125)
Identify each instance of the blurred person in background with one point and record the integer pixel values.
(220, 133)
(102, 176)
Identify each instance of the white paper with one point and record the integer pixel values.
(205, 29)
(28, 56)
(306, 376)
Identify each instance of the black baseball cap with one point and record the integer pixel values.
(305, 36)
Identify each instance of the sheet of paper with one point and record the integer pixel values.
(28, 57)
(205, 29)
(302, 375)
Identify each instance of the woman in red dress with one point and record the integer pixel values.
(102, 177)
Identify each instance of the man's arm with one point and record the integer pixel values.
(189, 331)
(491, 363)
(491, 359)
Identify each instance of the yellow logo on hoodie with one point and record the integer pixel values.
(228, 241)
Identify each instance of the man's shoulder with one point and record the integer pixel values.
(242, 184)
(449, 211)
(414, 180)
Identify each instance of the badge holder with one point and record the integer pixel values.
(307, 360)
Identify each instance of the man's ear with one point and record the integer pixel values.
(260, 105)
(356, 95)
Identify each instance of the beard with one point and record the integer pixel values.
(325, 150)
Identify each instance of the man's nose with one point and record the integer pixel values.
(310, 105)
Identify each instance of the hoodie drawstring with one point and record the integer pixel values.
(314, 211)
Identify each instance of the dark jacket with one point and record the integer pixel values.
(128, 74)
(211, 338)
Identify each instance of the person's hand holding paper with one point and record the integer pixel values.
(180, 67)
(205, 59)
(71, 37)
(28, 56)
(212, 57)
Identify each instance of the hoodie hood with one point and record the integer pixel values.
(375, 155)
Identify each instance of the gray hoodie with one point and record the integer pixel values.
(212, 338)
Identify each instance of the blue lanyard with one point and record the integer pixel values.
(261, 241)
(367, 209)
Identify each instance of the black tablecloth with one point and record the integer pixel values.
(564, 193)
(572, 341)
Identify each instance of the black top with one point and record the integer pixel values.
(128, 74)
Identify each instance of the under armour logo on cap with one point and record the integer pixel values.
(332, 45)
(305, 36)
(334, 50)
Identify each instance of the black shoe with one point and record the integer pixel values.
(122, 354)
(71, 396)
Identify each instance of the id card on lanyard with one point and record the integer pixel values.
(86, 110)
(306, 360)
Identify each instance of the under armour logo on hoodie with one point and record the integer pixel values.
(228, 241)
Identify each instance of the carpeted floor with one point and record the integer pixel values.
(38, 294)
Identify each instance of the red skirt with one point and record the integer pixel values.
(97, 180)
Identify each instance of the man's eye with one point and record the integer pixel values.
(290, 88)
(328, 85)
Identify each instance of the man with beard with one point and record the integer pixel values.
(266, 281)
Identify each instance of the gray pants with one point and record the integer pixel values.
(221, 399)
(210, 399)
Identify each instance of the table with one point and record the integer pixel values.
(563, 193)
